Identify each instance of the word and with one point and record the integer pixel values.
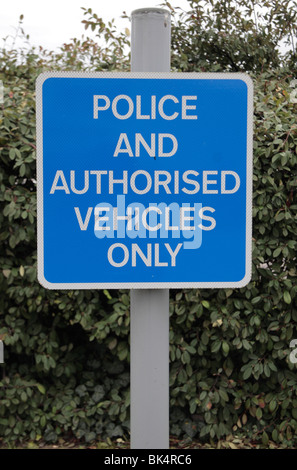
(124, 145)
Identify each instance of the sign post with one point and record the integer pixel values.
(144, 182)
(149, 309)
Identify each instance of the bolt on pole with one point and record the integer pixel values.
(150, 52)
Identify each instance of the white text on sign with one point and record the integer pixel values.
(103, 103)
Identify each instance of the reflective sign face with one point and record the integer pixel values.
(144, 180)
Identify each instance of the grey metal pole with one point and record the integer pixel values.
(150, 40)
(150, 52)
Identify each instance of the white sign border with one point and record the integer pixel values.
(153, 75)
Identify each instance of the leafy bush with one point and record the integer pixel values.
(66, 368)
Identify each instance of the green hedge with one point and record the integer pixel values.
(66, 370)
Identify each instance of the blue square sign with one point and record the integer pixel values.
(144, 180)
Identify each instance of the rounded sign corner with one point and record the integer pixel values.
(247, 80)
(43, 282)
(245, 280)
(42, 78)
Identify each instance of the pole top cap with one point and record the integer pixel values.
(143, 11)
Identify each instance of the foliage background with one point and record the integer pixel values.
(66, 370)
